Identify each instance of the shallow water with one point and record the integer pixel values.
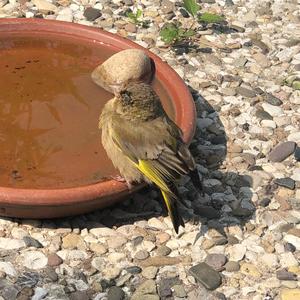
(49, 110)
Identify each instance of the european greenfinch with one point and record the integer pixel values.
(145, 145)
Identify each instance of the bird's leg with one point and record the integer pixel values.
(119, 178)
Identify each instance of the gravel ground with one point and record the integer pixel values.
(242, 239)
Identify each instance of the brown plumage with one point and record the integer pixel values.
(145, 144)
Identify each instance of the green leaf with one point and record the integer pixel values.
(130, 15)
(210, 18)
(191, 6)
(188, 33)
(138, 13)
(169, 33)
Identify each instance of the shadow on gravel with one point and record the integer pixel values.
(227, 200)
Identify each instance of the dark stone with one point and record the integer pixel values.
(264, 202)
(263, 115)
(245, 92)
(297, 153)
(134, 270)
(285, 182)
(232, 266)
(105, 284)
(217, 261)
(261, 45)
(28, 279)
(273, 100)
(31, 242)
(137, 240)
(232, 240)
(79, 295)
(229, 3)
(50, 274)
(165, 285)
(184, 13)
(25, 294)
(219, 140)
(282, 151)
(206, 211)
(206, 275)
(246, 126)
(91, 14)
(115, 293)
(237, 28)
(248, 44)
(10, 292)
(285, 275)
(288, 247)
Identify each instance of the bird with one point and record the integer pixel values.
(145, 145)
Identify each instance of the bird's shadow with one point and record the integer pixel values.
(227, 200)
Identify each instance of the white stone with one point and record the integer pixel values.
(294, 136)
(156, 223)
(296, 174)
(44, 6)
(34, 260)
(268, 123)
(39, 293)
(236, 252)
(272, 109)
(287, 259)
(116, 257)
(269, 259)
(8, 268)
(10, 244)
(293, 240)
(103, 231)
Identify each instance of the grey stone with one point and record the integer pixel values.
(141, 255)
(245, 92)
(286, 182)
(206, 275)
(31, 242)
(10, 292)
(285, 275)
(264, 202)
(39, 293)
(215, 260)
(115, 293)
(297, 153)
(134, 270)
(263, 115)
(91, 14)
(79, 295)
(288, 247)
(232, 266)
(271, 99)
(163, 250)
(282, 151)
(179, 291)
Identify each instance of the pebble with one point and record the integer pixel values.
(273, 110)
(271, 99)
(150, 272)
(11, 244)
(39, 293)
(245, 92)
(141, 255)
(206, 275)
(282, 151)
(31, 242)
(236, 252)
(217, 261)
(34, 260)
(232, 266)
(285, 275)
(290, 294)
(286, 182)
(73, 241)
(115, 293)
(8, 268)
(297, 153)
(91, 14)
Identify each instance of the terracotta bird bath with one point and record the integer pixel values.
(52, 162)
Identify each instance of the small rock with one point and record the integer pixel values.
(39, 293)
(264, 202)
(134, 270)
(245, 92)
(232, 266)
(282, 151)
(285, 182)
(79, 295)
(272, 109)
(34, 260)
(8, 268)
(51, 274)
(271, 99)
(147, 287)
(163, 250)
(288, 247)
(150, 272)
(297, 153)
(141, 255)
(290, 294)
(217, 261)
(250, 269)
(11, 244)
(263, 115)
(294, 136)
(31, 242)
(91, 14)
(130, 28)
(44, 6)
(179, 291)
(73, 241)
(206, 275)
(115, 293)
(167, 6)
(54, 260)
(286, 275)
(160, 261)
(236, 252)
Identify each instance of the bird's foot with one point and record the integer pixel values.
(119, 178)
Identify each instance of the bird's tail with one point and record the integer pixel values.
(171, 200)
(194, 175)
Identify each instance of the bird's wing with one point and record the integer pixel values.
(157, 150)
